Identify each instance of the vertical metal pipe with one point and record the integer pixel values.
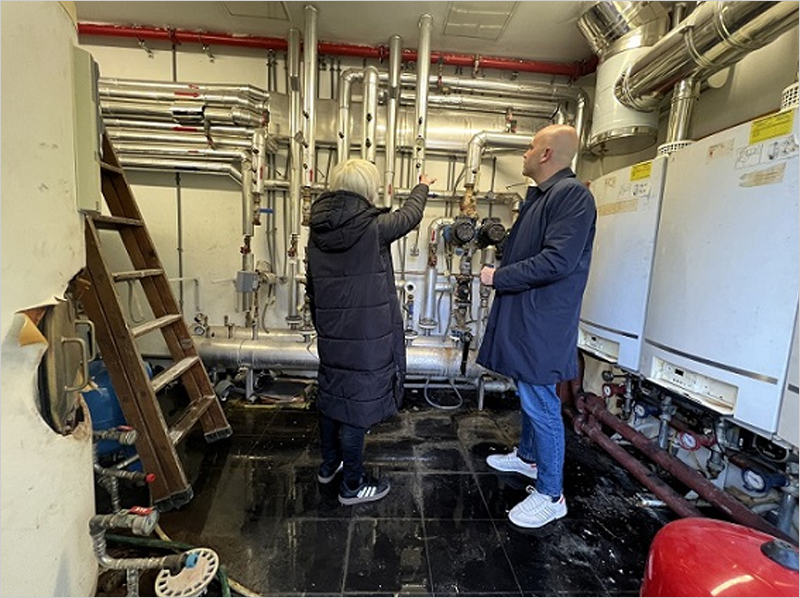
(393, 102)
(684, 97)
(297, 170)
(369, 119)
(247, 227)
(423, 71)
(310, 94)
(580, 127)
(345, 88)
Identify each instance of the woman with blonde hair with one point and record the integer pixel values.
(354, 305)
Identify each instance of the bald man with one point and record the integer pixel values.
(532, 332)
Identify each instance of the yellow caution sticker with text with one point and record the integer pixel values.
(776, 125)
(641, 171)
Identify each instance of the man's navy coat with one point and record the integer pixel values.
(532, 331)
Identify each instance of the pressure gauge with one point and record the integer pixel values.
(688, 441)
(753, 480)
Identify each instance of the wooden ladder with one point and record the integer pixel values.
(136, 392)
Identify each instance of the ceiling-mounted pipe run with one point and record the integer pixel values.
(423, 71)
(574, 70)
(714, 36)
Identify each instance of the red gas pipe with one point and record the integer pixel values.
(573, 70)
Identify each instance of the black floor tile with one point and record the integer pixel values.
(451, 496)
(387, 556)
(467, 558)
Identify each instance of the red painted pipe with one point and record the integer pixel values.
(589, 426)
(178, 36)
(727, 504)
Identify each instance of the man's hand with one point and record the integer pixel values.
(487, 276)
(424, 179)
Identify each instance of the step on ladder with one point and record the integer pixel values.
(136, 392)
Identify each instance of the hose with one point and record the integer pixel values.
(172, 545)
(229, 583)
(437, 405)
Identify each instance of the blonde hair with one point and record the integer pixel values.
(356, 175)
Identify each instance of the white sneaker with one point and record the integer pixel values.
(512, 463)
(537, 510)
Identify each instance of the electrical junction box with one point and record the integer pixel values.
(614, 304)
(724, 290)
(247, 281)
(88, 130)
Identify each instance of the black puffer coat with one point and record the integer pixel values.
(362, 358)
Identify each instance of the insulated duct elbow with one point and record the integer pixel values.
(716, 35)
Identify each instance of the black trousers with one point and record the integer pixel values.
(345, 443)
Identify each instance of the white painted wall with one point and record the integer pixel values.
(47, 489)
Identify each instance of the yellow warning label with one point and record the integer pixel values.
(768, 127)
(641, 171)
(618, 207)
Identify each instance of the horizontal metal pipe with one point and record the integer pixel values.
(175, 137)
(125, 148)
(137, 163)
(158, 125)
(486, 104)
(297, 355)
(247, 90)
(528, 91)
(221, 98)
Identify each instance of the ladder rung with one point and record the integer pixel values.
(189, 418)
(114, 222)
(155, 324)
(136, 274)
(111, 168)
(174, 372)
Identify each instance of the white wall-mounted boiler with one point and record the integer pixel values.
(615, 301)
(724, 291)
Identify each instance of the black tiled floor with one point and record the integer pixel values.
(441, 531)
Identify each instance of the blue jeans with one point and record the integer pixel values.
(542, 436)
(345, 443)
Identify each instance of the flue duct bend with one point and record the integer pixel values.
(620, 32)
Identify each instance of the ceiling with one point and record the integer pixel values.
(533, 30)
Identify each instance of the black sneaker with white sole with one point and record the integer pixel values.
(327, 472)
(369, 490)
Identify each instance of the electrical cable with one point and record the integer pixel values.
(438, 405)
